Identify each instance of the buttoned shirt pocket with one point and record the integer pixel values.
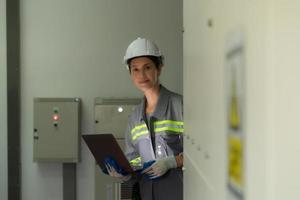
(174, 142)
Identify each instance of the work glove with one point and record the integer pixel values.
(113, 169)
(160, 167)
(113, 173)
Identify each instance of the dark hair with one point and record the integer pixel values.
(156, 60)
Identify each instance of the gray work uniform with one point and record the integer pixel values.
(165, 125)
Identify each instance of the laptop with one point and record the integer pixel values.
(105, 145)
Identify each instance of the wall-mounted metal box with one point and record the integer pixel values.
(56, 131)
(111, 115)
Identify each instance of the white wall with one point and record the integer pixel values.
(3, 103)
(284, 69)
(73, 48)
(272, 96)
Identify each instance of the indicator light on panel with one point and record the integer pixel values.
(55, 117)
(56, 110)
(55, 124)
(120, 109)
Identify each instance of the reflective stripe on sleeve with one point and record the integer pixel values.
(136, 162)
(138, 131)
(135, 136)
(137, 128)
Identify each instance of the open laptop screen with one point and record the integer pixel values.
(105, 145)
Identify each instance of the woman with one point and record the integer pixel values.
(154, 136)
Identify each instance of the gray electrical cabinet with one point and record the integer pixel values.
(56, 132)
(111, 116)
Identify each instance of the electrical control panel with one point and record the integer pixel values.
(111, 116)
(56, 131)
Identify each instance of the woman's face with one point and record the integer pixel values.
(144, 73)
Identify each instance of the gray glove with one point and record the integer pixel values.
(160, 167)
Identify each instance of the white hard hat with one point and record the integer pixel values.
(142, 47)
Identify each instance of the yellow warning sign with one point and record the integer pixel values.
(235, 153)
(235, 107)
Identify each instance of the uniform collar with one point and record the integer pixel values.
(161, 107)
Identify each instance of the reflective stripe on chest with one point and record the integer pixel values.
(159, 126)
(169, 125)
